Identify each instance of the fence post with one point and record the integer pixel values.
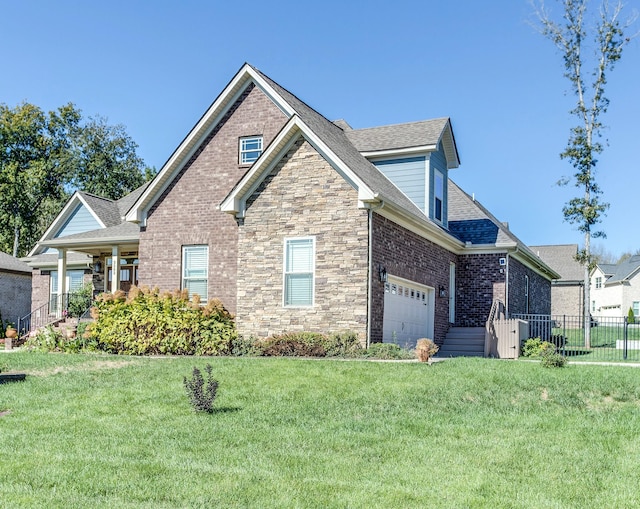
(625, 337)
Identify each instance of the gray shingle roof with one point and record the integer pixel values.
(561, 258)
(398, 136)
(105, 209)
(470, 222)
(335, 138)
(10, 263)
(625, 270)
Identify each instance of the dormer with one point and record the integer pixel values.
(416, 157)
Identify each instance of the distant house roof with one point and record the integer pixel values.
(561, 258)
(9, 263)
(624, 271)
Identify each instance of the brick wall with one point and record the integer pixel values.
(479, 279)
(539, 290)
(15, 295)
(39, 289)
(567, 300)
(303, 196)
(186, 212)
(407, 255)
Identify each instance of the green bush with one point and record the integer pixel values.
(241, 346)
(80, 301)
(535, 347)
(551, 359)
(387, 351)
(295, 344)
(309, 344)
(631, 317)
(149, 323)
(342, 344)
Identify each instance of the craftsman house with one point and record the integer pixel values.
(298, 223)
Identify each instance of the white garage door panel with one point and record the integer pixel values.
(407, 313)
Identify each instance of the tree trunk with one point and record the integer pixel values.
(16, 240)
(587, 292)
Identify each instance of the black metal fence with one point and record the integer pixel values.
(608, 338)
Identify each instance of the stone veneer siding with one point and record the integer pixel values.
(186, 212)
(15, 295)
(407, 255)
(303, 196)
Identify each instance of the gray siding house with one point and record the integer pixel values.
(299, 223)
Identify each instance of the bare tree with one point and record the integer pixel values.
(587, 74)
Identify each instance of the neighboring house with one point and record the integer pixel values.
(616, 288)
(297, 223)
(15, 289)
(567, 292)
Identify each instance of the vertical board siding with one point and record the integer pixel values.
(408, 174)
(81, 220)
(438, 161)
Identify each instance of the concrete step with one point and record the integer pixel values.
(463, 342)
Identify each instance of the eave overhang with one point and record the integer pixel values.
(235, 202)
(212, 117)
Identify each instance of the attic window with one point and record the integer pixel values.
(250, 149)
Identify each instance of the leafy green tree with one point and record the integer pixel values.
(45, 157)
(106, 161)
(35, 158)
(587, 73)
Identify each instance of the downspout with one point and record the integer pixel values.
(506, 288)
(370, 272)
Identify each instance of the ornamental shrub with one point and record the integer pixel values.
(387, 351)
(200, 395)
(535, 347)
(147, 322)
(551, 359)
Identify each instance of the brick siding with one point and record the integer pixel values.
(186, 212)
(539, 290)
(15, 295)
(303, 196)
(407, 255)
(479, 279)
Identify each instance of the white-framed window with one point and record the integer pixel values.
(636, 308)
(195, 270)
(598, 282)
(593, 306)
(438, 195)
(74, 282)
(299, 271)
(250, 149)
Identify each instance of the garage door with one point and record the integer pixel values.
(408, 313)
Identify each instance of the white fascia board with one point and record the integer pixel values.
(422, 227)
(235, 203)
(92, 212)
(211, 118)
(59, 220)
(423, 149)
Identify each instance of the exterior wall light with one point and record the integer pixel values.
(442, 292)
(97, 267)
(382, 273)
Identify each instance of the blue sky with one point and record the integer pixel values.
(156, 66)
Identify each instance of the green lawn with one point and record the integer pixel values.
(603, 343)
(105, 431)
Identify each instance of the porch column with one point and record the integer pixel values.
(115, 269)
(62, 281)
